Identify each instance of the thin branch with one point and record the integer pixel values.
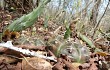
(95, 28)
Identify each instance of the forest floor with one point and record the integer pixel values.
(70, 54)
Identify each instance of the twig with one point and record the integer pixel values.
(28, 62)
(9, 45)
(95, 28)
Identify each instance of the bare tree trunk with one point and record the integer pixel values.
(93, 18)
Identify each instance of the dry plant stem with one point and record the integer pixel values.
(9, 45)
(96, 26)
(13, 56)
(28, 62)
(94, 13)
(85, 8)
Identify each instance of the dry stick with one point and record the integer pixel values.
(9, 45)
(28, 62)
(95, 28)
(85, 8)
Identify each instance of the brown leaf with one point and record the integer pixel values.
(2, 49)
(7, 35)
(76, 64)
(93, 67)
(14, 35)
(59, 65)
(8, 59)
(69, 65)
(102, 53)
(18, 66)
(84, 66)
(35, 63)
(13, 53)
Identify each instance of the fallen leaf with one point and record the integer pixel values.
(8, 59)
(102, 53)
(35, 63)
(75, 64)
(93, 67)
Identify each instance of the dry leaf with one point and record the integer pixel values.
(76, 64)
(93, 67)
(102, 53)
(14, 35)
(8, 59)
(35, 63)
(7, 35)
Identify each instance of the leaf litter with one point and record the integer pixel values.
(74, 54)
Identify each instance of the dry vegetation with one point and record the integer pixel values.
(54, 35)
